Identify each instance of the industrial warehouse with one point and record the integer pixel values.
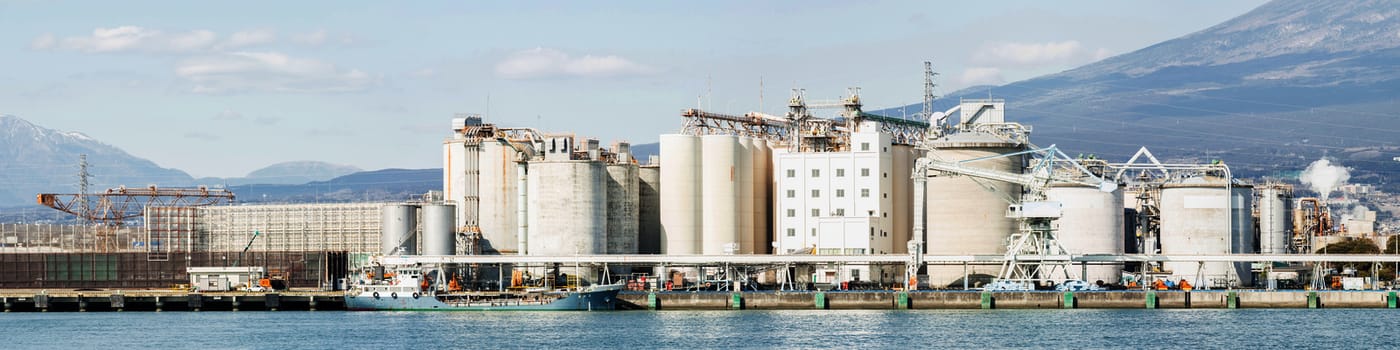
(960, 199)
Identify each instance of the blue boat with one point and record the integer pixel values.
(405, 291)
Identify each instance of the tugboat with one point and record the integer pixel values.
(407, 289)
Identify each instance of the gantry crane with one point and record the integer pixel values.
(1032, 255)
(112, 208)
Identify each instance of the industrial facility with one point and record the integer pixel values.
(889, 202)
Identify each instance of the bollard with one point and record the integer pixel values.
(821, 300)
(1312, 301)
(987, 302)
(652, 301)
(1068, 300)
(1151, 299)
(1389, 300)
(736, 301)
(1232, 300)
(903, 300)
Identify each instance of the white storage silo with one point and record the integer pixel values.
(762, 180)
(1195, 220)
(439, 235)
(1275, 221)
(1091, 223)
(680, 194)
(567, 210)
(966, 216)
(722, 165)
(499, 196)
(397, 225)
(744, 174)
(623, 208)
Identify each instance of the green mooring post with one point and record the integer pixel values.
(1390, 300)
(821, 300)
(1068, 300)
(987, 300)
(1151, 299)
(1312, 300)
(903, 300)
(736, 301)
(1232, 300)
(652, 301)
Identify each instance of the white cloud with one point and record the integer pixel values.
(249, 38)
(130, 39)
(1015, 54)
(981, 76)
(321, 37)
(269, 71)
(313, 38)
(550, 63)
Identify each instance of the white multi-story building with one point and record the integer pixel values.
(837, 203)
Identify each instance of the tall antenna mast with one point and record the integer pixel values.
(83, 189)
(928, 90)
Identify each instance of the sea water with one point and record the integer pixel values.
(832, 329)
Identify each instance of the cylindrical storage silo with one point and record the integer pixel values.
(439, 237)
(680, 194)
(902, 187)
(567, 212)
(1195, 220)
(762, 172)
(966, 216)
(396, 228)
(649, 210)
(720, 196)
(744, 175)
(622, 200)
(1275, 223)
(498, 188)
(1242, 229)
(1091, 223)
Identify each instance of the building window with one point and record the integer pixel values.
(865, 146)
(884, 149)
(792, 213)
(885, 175)
(816, 172)
(816, 193)
(887, 214)
(792, 173)
(792, 232)
(840, 193)
(865, 193)
(792, 193)
(865, 172)
(840, 172)
(872, 232)
(840, 211)
(814, 232)
(816, 213)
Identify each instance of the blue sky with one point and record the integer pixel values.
(221, 89)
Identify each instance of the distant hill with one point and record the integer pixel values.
(1268, 92)
(377, 185)
(287, 173)
(34, 159)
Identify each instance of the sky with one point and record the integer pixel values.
(225, 88)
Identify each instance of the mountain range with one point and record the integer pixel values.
(1268, 92)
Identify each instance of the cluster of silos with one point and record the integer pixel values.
(401, 232)
(1091, 222)
(1206, 215)
(967, 216)
(715, 197)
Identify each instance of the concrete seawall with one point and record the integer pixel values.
(883, 300)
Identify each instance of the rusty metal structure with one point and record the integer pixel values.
(800, 127)
(111, 209)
